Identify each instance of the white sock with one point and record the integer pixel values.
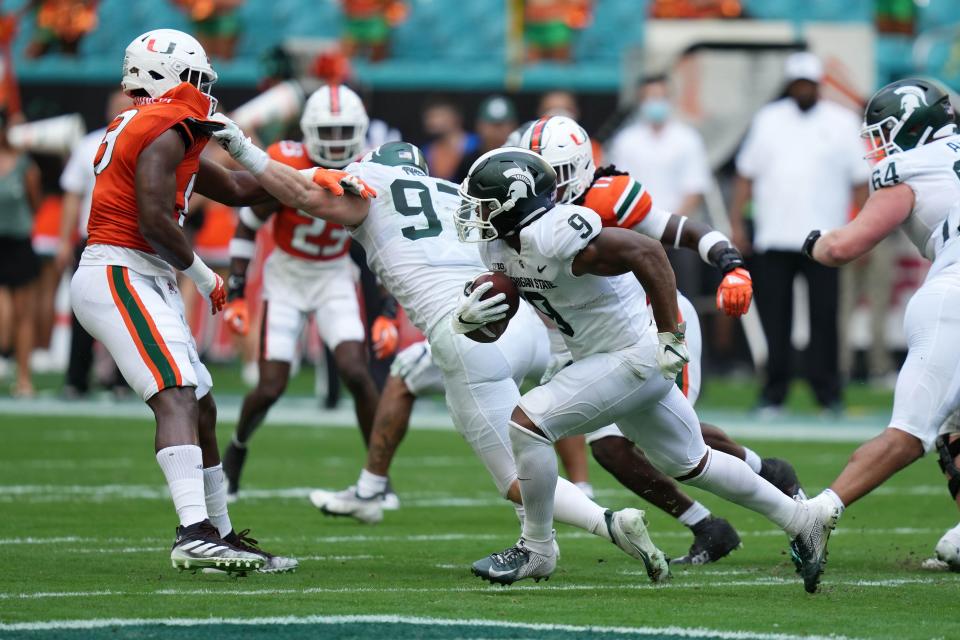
(694, 514)
(521, 516)
(731, 478)
(571, 506)
(834, 499)
(370, 484)
(752, 459)
(537, 473)
(182, 465)
(215, 492)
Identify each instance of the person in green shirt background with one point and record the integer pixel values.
(20, 195)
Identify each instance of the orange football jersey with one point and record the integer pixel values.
(620, 201)
(113, 209)
(297, 233)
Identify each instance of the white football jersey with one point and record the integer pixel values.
(595, 314)
(411, 242)
(933, 172)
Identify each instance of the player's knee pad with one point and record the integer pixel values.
(948, 452)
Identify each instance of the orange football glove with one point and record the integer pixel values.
(218, 297)
(237, 316)
(335, 181)
(385, 338)
(735, 292)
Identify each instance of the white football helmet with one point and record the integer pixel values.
(159, 60)
(334, 126)
(566, 146)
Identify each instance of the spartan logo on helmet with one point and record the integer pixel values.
(911, 98)
(521, 185)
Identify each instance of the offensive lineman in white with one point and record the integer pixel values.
(409, 237)
(588, 281)
(916, 186)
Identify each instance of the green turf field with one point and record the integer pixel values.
(85, 529)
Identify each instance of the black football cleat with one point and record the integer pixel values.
(713, 539)
(199, 546)
(783, 476)
(271, 563)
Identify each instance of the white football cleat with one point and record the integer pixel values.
(347, 503)
(948, 549)
(628, 530)
(808, 549)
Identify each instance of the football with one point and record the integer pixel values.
(501, 284)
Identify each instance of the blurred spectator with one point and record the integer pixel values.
(690, 9)
(549, 26)
(61, 25)
(496, 118)
(77, 181)
(670, 159)
(802, 164)
(19, 266)
(216, 24)
(447, 142)
(896, 16)
(367, 26)
(559, 103)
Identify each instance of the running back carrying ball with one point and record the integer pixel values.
(498, 284)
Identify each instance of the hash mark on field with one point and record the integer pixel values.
(587, 631)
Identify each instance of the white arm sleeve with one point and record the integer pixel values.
(654, 223)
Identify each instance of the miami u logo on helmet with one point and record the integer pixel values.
(170, 46)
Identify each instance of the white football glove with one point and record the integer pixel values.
(472, 312)
(412, 360)
(672, 352)
(239, 145)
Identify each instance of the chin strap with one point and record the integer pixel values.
(948, 453)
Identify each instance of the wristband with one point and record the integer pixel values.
(811, 240)
(201, 274)
(707, 242)
(236, 286)
(727, 259)
(242, 248)
(250, 219)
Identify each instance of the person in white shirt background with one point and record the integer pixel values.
(77, 182)
(801, 164)
(669, 157)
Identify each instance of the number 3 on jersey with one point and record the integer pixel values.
(105, 153)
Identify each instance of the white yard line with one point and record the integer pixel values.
(134, 545)
(693, 584)
(596, 631)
